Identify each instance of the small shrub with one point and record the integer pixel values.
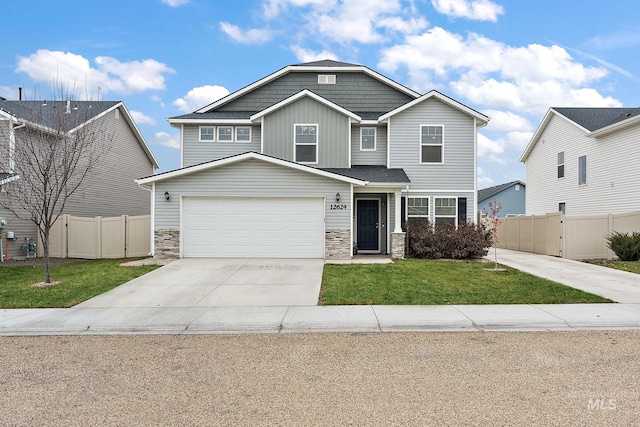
(626, 246)
(445, 241)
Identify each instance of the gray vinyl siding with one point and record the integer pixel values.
(612, 171)
(333, 132)
(354, 91)
(23, 229)
(458, 171)
(377, 157)
(195, 152)
(112, 190)
(512, 201)
(251, 178)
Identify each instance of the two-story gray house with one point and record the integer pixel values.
(314, 161)
(112, 190)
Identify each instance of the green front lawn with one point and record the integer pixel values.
(630, 266)
(427, 282)
(80, 281)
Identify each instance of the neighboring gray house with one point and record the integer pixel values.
(584, 161)
(113, 191)
(312, 161)
(510, 195)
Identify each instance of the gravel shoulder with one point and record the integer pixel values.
(529, 378)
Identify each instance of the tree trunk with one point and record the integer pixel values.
(45, 250)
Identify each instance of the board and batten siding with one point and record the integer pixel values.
(458, 170)
(195, 152)
(612, 171)
(355, 91)
(363, 158)
(333, 132)
(251, 178)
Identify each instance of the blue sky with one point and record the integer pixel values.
(510, 60)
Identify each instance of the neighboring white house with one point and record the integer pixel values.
(312, 161)
(584, 161)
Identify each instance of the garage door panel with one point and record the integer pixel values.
(253, 227)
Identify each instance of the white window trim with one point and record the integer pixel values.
(420, 145)
(235, 134)
(455, 217)
(295, 144)
(326, 79)
(206, 140)
(375, 138)
(218, 134)
(428, 215)
(582, 184)
(558, 164)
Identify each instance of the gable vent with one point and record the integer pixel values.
(326, 79)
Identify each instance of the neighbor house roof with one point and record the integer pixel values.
(594, 122)
(485, 193)
(6, 177)
(46, 115)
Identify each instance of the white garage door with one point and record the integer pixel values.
(253, 227)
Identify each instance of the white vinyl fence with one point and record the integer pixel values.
(92, 238)
(572, 237)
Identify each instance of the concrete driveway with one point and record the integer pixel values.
(220, 282)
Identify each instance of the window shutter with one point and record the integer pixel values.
(462, 210)
(403, 213)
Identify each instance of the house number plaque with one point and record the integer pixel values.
(336, 207)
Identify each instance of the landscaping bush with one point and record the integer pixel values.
(626, 246)
(445, 241)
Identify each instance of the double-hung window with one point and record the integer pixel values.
(561, 164)
(368, 139)
(582, 170)
(306, 143)
(431, 144)
(418, 207)
(207, 133)
(243, 134)
(446, 210)
(225, 133)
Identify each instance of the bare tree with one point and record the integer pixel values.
(492, 222)
(57, 151)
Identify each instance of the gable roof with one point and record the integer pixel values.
(593, 122)
(242, 157)
(485, 193)
(303, 94)
(316, 66)
(482, 119)
(46, 115)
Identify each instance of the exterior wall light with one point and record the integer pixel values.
(167, 196)
(337, 197)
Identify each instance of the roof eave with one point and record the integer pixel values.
(614, 127)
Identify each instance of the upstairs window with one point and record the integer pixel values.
(446, 210)
(418, 207)
(431, 144)
(561, 164)
(326, 79)
(306, 143)
(582, 170)
(207, 134)
(225, 133)
(368, 139)
(243, 134)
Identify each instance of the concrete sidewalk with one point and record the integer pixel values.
(616, 285)
(368, 318)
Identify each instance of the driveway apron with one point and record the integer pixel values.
(220, 282)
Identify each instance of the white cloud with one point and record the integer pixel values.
(483, 179)
(490, 149)
(167, 140)
(273, 8)
(74, 73)
(525, 79)
(518, 139)
(200, 96)
(480, 10)
(9, 92)
(506, 121)
(175, 3)
(308, 55)
(252, 36)
(141, 118)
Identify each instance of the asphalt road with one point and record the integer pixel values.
(477, 378)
